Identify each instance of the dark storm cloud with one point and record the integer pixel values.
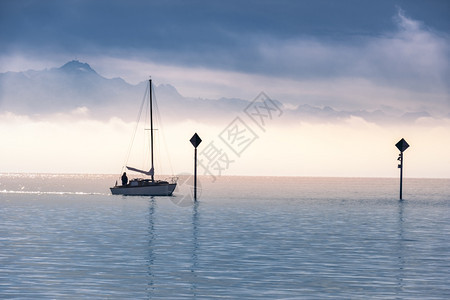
(224, 34)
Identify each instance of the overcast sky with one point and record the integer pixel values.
(349, 54)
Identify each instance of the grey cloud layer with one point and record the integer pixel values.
(304, 41)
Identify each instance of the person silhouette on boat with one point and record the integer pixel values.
(124, 179)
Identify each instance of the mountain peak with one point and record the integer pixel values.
(77, 66)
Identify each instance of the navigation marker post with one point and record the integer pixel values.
(195, 141)
(402, 145)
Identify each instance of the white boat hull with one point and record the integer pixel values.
(150, 189)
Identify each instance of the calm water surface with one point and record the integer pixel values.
(65, 237)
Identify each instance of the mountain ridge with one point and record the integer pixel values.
(76, 84)
(77, 66)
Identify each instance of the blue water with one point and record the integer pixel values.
(65, 237)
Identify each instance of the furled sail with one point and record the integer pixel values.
(149, 173)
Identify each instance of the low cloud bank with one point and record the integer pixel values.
(353, 147)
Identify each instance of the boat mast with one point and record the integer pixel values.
(151, 132)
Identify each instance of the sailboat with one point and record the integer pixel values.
(145, 186)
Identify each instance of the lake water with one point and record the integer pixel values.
(66, 237)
